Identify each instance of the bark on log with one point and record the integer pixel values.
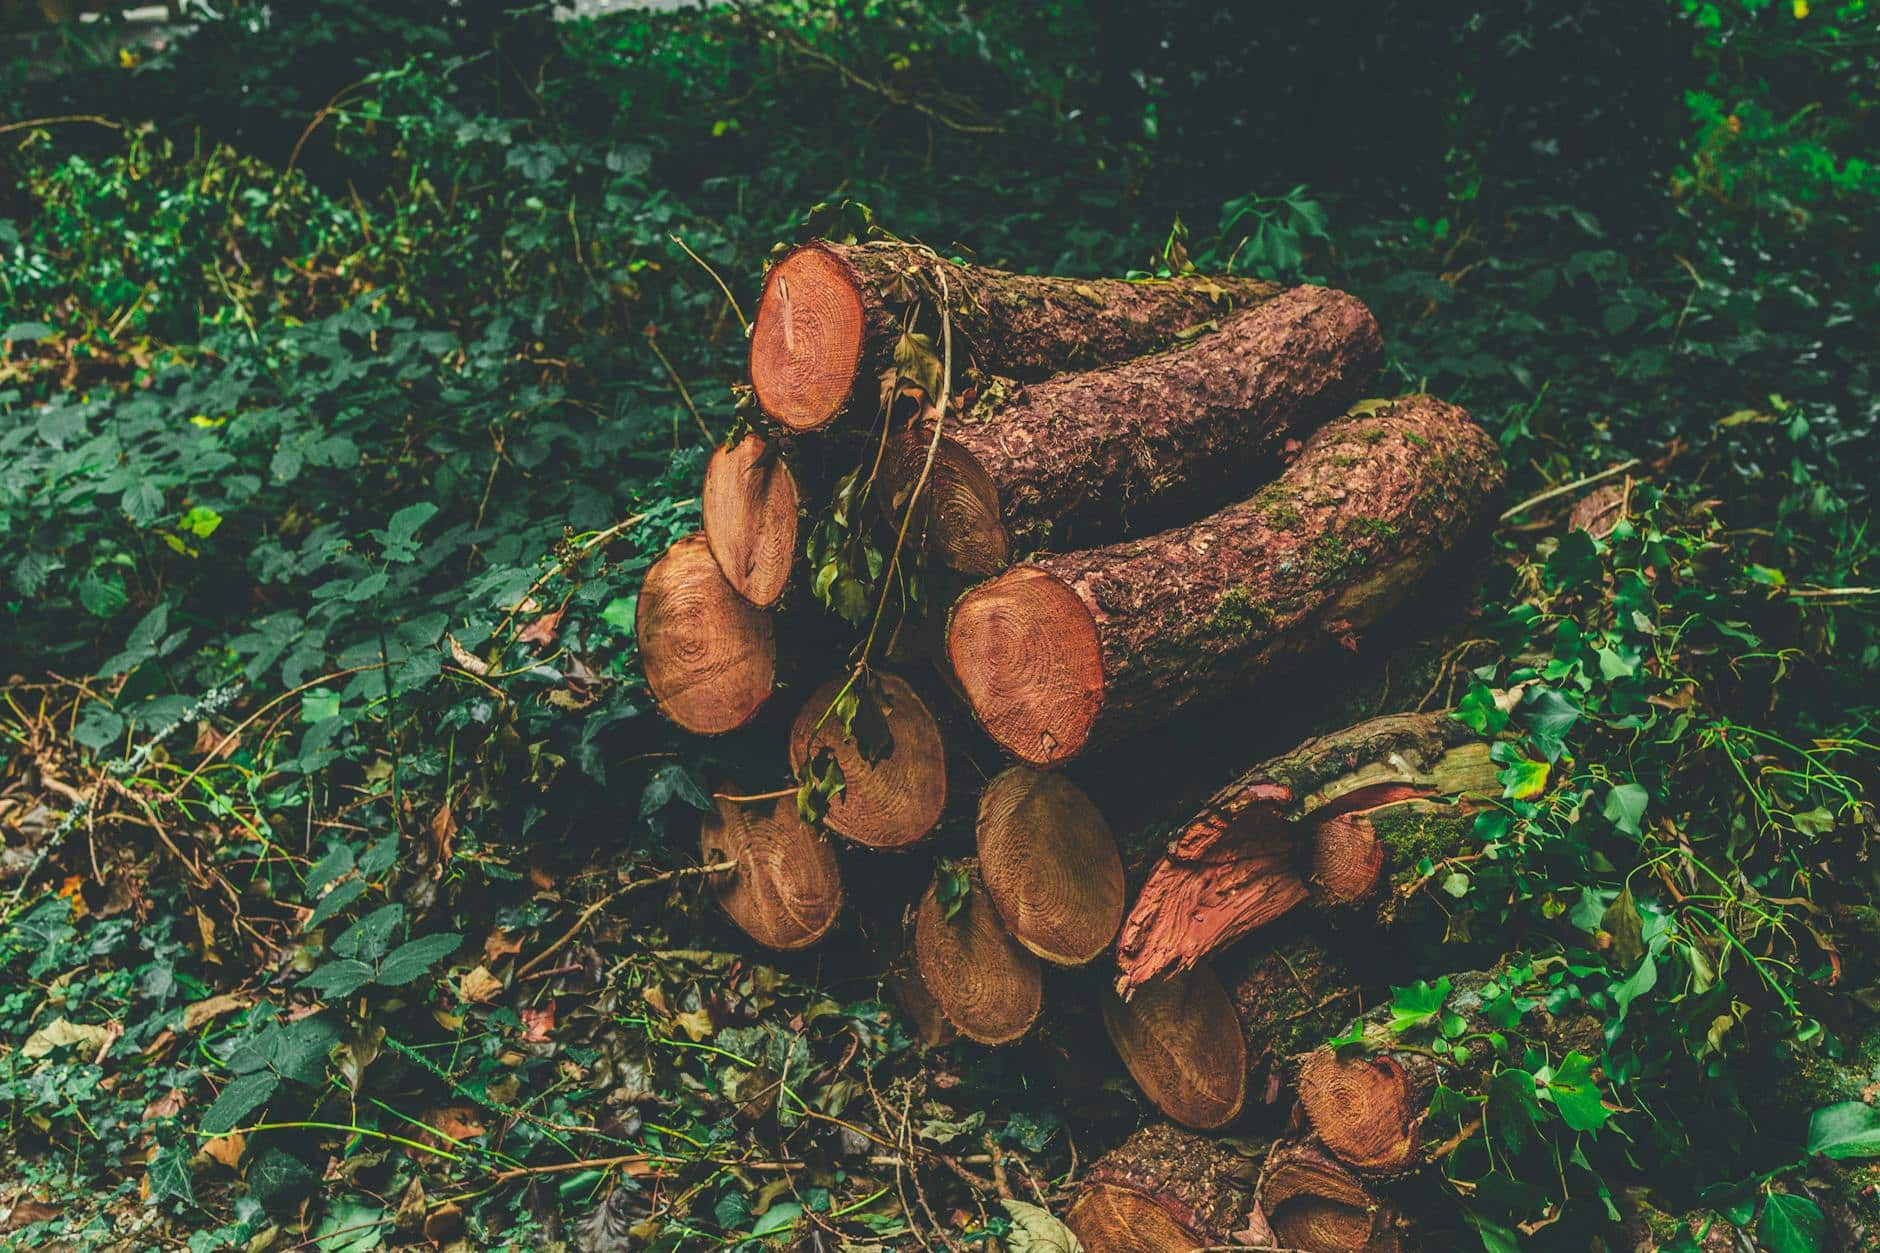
(1084, 459)
(1165, 1190)
(1076, 650)
(749, 505)
(830, 316)
(1232, 867)
(892, 801)
(707, 653)
(989, 986)
(1050, 865)
(1180, 1039)
(787, 891)
(1290, 996)
(1368, 1108)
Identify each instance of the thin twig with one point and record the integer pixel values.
(667, 876)
(1564, 488)
(704, 265)
(61, 120)
(652, 341)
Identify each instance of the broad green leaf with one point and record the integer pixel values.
(619, 613)
(1417, 1005)
(1523, 780)
(201, 521)
(243, 1095)
(1625, 806)
(781, 1216)
(300, 1052)
(1791, 1224)
(1478, 710)
(279, 1180)
(408, 961)
(317, 706)
(370, 937)
(1576, 1093)
(338, 979)
(334, 901)
(169, 1175)
(1548, 715)
(1845, 1129)
(336, 861)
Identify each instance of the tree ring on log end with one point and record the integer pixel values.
(890, 802)
(1315, 1205)
(749, 505)
(806, 345)
(1050, 865)
(1363, 1109)
(1116, 1219)
(987, 984)
(1025, 649)
(1347, 859)
(1180, 1039)
(786, 892)
(965, 526)
(707, 652)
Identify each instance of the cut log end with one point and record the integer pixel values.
(1316, 1206)
(1024, 648)
(786, 891)
(988, 985)
(1347, 859)
(1050, 865)
(885, 803)
(806, 345)
(707, 653)
(964, 525)
(749, 504)
(1180, 1040)
(1363, 1109)
(1116, 1219)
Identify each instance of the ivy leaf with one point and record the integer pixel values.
(1477, 710)
(1791, 1224)
(242, 1096)
(169, 1175)
(279, 1180)
(1576, 1093)
(1548, 715)
(952, 888)
(1417, 1005)
(1523, 780)
(1845, 1129)
(1625, 805)
(410, 960)
(1513, 1108)
(670, 782)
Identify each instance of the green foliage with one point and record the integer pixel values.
(333, 447)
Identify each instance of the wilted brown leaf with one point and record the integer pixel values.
(207, 1011)
(227, 1149)
(478, 985)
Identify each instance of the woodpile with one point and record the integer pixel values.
(1067, 512)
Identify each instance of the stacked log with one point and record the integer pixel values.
(1145, 495)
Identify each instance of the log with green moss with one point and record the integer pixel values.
(832, 316)
(1088, 458)
(1073, 651)
(1341, 820)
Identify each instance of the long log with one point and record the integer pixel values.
(831, 315)
(1087, 458)
(1073, 651)
(1236, 865)
(707, 653)
(1165, 1190)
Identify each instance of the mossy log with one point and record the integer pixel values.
(831, 315)
(1072, 651)
(1088, 458)
(1366, 1104)
(1291, 994)
(1254, 850)
(1165, 1190)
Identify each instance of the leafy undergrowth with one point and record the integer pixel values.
(350, 893)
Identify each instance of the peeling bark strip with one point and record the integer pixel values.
(1065, 463)
(1077, 650)
(708, 654)
(829, 317)
(1238, 864)
(749, 504)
